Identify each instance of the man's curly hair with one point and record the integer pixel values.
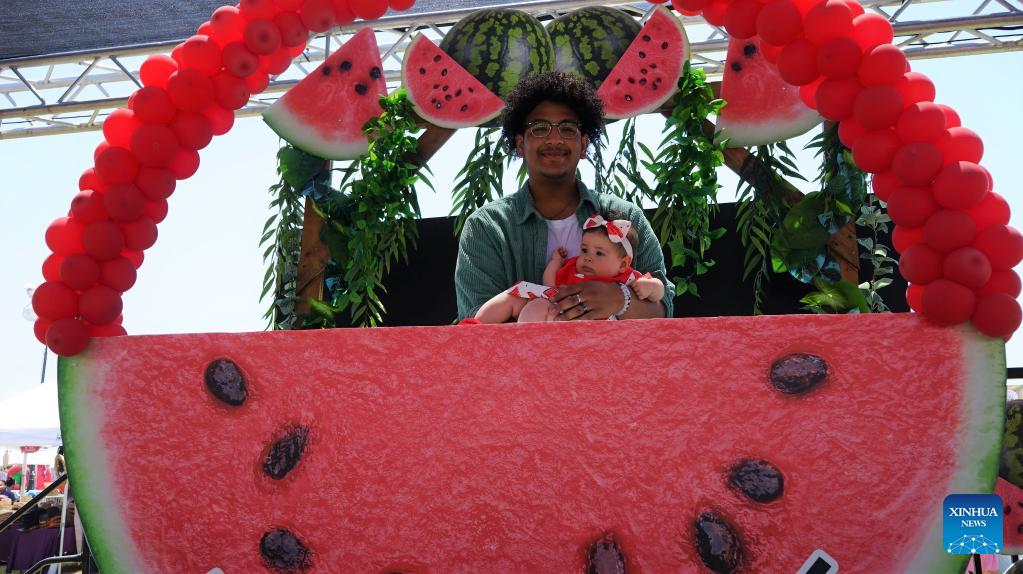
(552, 86)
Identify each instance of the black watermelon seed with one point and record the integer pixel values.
(471, 91)
(444, 71)
(605, 557)
(436, 86)
(1019, 529)
(653, 66)
(374, 73)
(1007, 509)
(361, 89)
(445, 88)
(642, 81)
(736, 66)
(628, 98)
(345, 66)
(436, 58)
(749, 50)
(283, 552)
(653, 86)
(643, 71)
(618, 81)
(464, 107)
(422, 71)
(458, 92)
(664, 45)
(797, 373)
(632, 80)
(225, 380)
(646, 37)
(326, 71)
(438, 105)
(760, 480)
(285, 453)
(447, 97)
(642, 54)
(718, 546)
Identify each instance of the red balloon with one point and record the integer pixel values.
(835, 98)
(228, 24)
(64, 236)
(1002, 281)
(915, 87)
(51, 267)
(205, 29)
(1003, 246)
(911, 206)
(914, 295)
(87, 207)
(202, 54)
(178, 57)
(152, 105)
(100, 148)
(883, 65)
(79, 271)
(100, 304)
(807, 93)
(949, 229)
(109, 330)
(797, 63)
(119, 127)
(771, 53)
(917, 163)
(136, 258)
(253, 9)
(921, 122)
(123, 202)
(156, 69)
(960, 144)
(779, 22)
(871, 30)
(992, 210)
(190, 90)
(139, 234)
(117, 165)
(293, 31)
(238, 60)
(220, 119)
(39, 329)
(920, 264)
(118, 274)
(262, 37)
(154, 145)
(856, 7)
(155, 183)
(905, 237)
(997, 315)
(156, 209)
(257, 81)
(343, 13)
(967, 266)
(884, 184)
(714, 12)
(192, 130)
(54, 300)
(740, 19)
(874, 150)
(960, 185)
(877, 107)
(277, 62)
(67, 337)
(951, 117)
(849, 131)
(91, 180)
(103, 240)
(828, 20)
(185, 164)
(317, 15)
(402, 5)
(947, 303)
(839, 58)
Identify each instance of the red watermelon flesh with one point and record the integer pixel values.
(475, 449)
(1012, 516)
(647, 74)
(324, 113)
(442, 91)
(761, 108)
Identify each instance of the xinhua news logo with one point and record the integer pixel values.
(972, 524)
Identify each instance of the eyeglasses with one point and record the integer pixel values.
(569, 129)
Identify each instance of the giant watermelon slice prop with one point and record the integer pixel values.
(324, 113)
(647, 74)
(761, 107)
(722, 444)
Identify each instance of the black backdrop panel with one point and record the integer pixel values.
(422, 292)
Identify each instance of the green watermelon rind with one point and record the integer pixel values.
(87, 463)
(286, 125)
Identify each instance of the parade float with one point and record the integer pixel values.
(721, 444)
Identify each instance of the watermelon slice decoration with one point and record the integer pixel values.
(442, 91)
(324, 113)
(744, 451)
(761, 107)
(648, 73)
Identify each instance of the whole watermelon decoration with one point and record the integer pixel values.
(589, 41)
(500, 46)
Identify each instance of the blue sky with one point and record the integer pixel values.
(204, 273)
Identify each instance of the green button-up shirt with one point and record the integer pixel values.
(506, 241)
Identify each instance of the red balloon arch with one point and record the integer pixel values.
(951, 229)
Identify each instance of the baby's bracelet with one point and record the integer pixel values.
(627, 293)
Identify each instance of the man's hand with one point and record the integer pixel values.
(588, 301)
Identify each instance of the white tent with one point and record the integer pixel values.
(31, 418)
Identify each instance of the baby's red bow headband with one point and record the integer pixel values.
(616, 230)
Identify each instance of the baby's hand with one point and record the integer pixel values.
(649, 289)
(559, 255)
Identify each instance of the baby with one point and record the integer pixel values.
(605, 255)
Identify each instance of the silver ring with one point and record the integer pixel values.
(579, 299)
(586, 308)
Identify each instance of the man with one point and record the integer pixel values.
(549, 121)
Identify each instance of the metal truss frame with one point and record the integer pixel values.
(74, 92)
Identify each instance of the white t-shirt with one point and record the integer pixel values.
(564, 232)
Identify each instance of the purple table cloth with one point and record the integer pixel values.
(30, 546)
